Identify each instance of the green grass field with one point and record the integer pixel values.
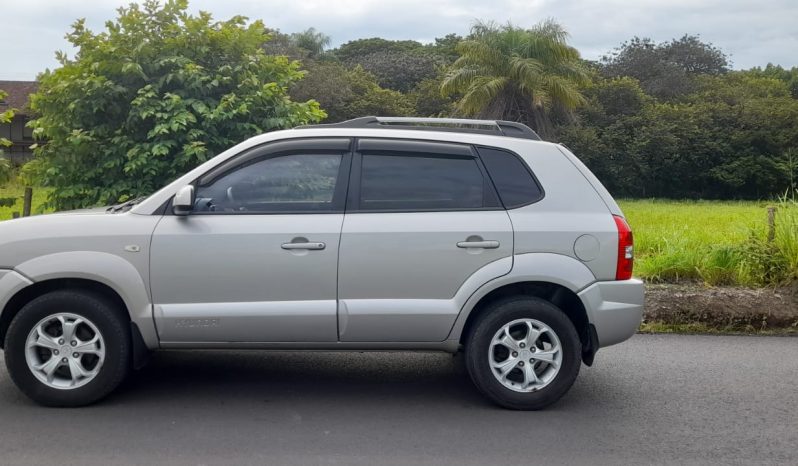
(17, 191)
(715, 242)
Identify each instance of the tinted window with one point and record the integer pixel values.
(300, 182)
(511, 176)
(420, 182)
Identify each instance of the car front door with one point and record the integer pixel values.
(256, 260)
(421, 219)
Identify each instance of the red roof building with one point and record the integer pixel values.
(21, 137)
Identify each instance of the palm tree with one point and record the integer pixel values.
(311, 40)
(506, 72)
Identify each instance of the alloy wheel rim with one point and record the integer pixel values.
(525, 355)
(65, 351)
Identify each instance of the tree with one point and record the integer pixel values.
(311, 40)
(694, 56)
(506, 72)
(329, 84)
(351, 52)
(156, 93)
(446, 47)
(346, 94)
(398, 70)
(665, 70)
(789, 76)
(731, 138)
(306, 46)
(371, 99)
(398, 65)
(428, 100)
(6, 170)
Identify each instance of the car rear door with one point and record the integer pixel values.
(421, 218)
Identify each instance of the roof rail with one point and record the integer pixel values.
(456, 125)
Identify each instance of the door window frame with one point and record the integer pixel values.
(274, 149)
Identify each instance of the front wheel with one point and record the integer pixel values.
(523, 353)
(68, 348)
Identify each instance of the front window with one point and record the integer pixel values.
(283, 183)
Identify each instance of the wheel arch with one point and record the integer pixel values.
(31, 292)
(531, 276)
(101, 272)
(565, 299)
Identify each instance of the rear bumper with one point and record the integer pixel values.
(614, 308)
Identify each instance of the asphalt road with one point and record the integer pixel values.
(653, 400)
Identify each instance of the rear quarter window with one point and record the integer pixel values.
(511, 176)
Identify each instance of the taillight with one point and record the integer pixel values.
(626, 254)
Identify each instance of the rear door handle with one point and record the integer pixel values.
(312, 246)
(478, 244)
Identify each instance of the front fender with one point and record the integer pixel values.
(531, 267)
(108, 269)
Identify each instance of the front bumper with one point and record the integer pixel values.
(614, 308)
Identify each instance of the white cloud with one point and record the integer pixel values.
(752, 33)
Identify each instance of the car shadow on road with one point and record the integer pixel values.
(367, 379)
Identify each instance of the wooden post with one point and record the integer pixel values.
(26, 201)
(771, 224)
(14, 214)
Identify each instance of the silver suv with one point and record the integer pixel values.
(372, 234)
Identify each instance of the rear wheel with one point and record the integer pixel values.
(68, 348)
(523, 353)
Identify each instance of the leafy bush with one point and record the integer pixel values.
(6, 170)
(155, 94)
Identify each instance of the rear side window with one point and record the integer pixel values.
(513, 180)
(421, 182)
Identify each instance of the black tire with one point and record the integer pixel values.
(500, 313)
(115, 331)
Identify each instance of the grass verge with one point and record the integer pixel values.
(701, 328)
(16, 192)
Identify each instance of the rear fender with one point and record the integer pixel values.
(532, 267)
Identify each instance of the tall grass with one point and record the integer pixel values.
(715, 242)
(786, 238)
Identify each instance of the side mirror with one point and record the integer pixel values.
(183, 203)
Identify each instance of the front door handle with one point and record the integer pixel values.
(315, 246)
(478, 244)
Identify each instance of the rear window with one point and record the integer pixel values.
(513, 180)
(414, 182)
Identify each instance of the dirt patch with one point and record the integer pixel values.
(722, 308)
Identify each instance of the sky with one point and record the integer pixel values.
(751, 33)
